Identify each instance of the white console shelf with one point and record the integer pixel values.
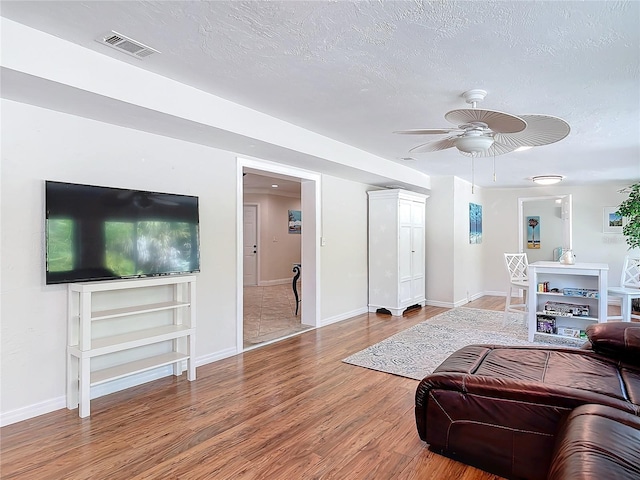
(106, 344)
(591, 276)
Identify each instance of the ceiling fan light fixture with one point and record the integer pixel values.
(474, 144)
(547, 179)
(522, 149)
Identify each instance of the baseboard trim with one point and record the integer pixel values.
(459, 303)
(214, 357)
(495, 294)
(343, 316)
(58, 403)
(438, 303)
(30, 411)
(270, 283)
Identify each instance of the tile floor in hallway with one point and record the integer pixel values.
(269, 313)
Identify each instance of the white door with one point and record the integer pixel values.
(417, 249)
(404, 265)
(404, 252)
(250, 245)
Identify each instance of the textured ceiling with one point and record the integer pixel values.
(357, 71)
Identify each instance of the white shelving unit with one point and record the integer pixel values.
(396, 250)
(591, 276)
(125, 327)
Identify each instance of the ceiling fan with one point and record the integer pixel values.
(487, 133)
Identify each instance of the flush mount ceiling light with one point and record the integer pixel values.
(547, 179)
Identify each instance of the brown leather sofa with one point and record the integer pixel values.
(520, 412)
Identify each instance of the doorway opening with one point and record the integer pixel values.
(554, 213)
(269, 249)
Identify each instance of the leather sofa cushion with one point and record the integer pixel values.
(597, 442)
(538, 371)
(631, 381)
(618, 339)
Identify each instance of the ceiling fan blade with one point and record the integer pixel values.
(541, 130)
(434, 146)
(429, 131)
(499, 122)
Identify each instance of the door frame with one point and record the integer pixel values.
(566, 212)
(257, 256)
(310, 199)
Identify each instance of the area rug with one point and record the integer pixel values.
(417, 351)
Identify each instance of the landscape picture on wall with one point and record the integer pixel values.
(612, 222)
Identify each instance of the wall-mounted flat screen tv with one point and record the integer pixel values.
(104, 233)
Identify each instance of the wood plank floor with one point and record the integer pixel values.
(289, 410)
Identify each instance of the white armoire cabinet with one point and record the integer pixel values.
(396, 250)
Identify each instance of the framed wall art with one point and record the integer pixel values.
(611, 221)
(533, 232)
(295, 221)
(475, 223)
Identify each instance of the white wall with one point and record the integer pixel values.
(439, 248)
(458, 271)
(344, 229)
(468, 258)
(589, 243)
(454, 266)
(39, 144)
(88, 83)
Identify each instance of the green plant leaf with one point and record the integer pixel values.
(630, 210)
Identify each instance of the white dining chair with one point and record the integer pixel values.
(518, 271)
(628, 290)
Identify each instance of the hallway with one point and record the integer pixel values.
(269, 314)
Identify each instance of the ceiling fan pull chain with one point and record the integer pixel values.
(494, 167)
(473, 172)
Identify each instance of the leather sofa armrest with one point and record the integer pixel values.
(616, 339)
(597, 442)
(603, 411)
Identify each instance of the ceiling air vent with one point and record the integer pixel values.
(126, 45)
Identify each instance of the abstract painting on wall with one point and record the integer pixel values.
(475, 223)
(533, 232)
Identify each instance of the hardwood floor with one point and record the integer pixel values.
(289, 410)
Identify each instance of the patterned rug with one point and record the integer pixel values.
(417, 351)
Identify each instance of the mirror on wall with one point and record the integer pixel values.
(544, 226)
